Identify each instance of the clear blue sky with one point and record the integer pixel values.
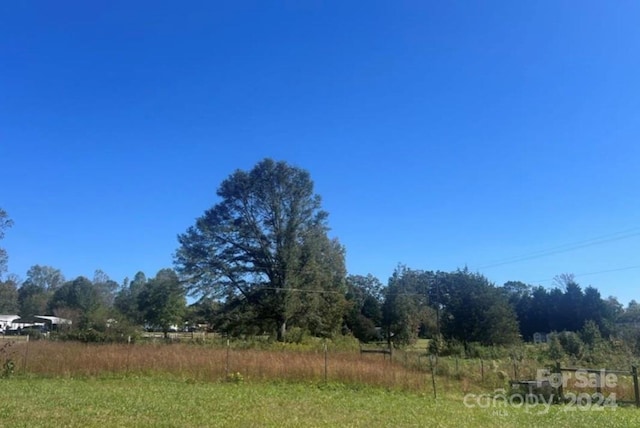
(439, 134)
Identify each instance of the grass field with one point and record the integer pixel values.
(66, 384)
(160, 402)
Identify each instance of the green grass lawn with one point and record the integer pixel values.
(156, 401)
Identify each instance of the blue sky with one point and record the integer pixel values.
(439, 134)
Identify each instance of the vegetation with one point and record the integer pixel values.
(265, 252)
(168, 403)
(9, 295)
(202, 358)
(161, 301)
(365, 296)
(261, 263)
(204, 384)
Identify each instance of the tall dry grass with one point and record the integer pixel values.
(211, 363)
(202, 363)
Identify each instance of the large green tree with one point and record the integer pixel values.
(264, 251)
(406, 306)
(45, 277)
(364, 315)
(9, 295)
(162, 301)
(36, 291)
(107, 287)
(81, 301)
(475, 310)
(126, 299)
(564, 307)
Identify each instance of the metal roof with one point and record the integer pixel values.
(53, 320)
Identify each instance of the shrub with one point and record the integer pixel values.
(8, 366)
(454, 347)
(120, 334)
(571, 343)
(235, 377)
(555, 350)
(437, 345)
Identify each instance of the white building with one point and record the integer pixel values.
(5, 320)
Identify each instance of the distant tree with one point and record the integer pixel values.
(364, 314)
(590, 334)
(520, 298)
(631, 314)
(162, 301)
(556, 303)
(32, 300)
(613, 309)
(571, 343)
(126, 299)
(264, 251)
(9, 295)
(204, 311)
(5, 223)
(539, 313)
(516, 290)
(476, 311)
(81, 301)
(571, 304)
(566, 307)
(595, 309)
(319, 306)
(106, 287)
(406, 305)
(555, 349)
(37, 289)
(627, 322)
(45, 278)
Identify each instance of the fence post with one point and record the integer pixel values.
(432, 361)
(325, 361)
(26, 355)
(128, 352)
(482, 369)
(636, 389)
(559, 372)
(226, 366)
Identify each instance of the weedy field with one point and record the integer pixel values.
(52, 384)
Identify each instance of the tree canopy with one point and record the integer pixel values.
(260, 260)
(364, 314)
(37, 290)
(565, 307)
(161, 300)
(460, 305)
(264, 248)
(78, 300)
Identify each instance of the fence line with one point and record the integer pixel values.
(226, 359)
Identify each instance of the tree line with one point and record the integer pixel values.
(95, 304)
(261, 261)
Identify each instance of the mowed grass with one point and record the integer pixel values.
(161, 402)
